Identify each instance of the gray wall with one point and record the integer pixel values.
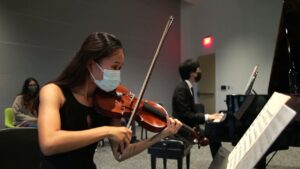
(38, 38)
(245, 34)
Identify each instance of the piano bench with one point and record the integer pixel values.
(170, 149)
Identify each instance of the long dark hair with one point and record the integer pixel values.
(28, 95)
(96, 46)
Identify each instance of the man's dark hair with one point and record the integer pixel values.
(187, 67)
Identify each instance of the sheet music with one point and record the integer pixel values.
(269, 123)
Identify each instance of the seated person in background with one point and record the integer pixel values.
(183, 103)
(23, 106)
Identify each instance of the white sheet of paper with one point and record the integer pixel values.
(264, 130)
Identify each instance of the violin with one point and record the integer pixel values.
(150, 115)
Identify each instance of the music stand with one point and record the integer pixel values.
(249, 86)
(264, 130)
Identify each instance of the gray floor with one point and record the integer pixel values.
(200, 159)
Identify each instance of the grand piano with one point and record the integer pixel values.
(284, 78)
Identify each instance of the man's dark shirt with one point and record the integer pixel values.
(183, 105)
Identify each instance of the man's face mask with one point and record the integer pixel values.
(111, 79)
(198, 77)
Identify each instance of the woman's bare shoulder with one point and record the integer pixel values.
(51, 86)
(51, 89)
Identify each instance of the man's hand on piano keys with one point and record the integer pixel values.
(216, 117)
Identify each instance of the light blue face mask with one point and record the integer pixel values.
(111, 79)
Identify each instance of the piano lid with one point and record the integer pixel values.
(290, 19)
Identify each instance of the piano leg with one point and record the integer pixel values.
(214, 132)
(214, 147)
(218, 132)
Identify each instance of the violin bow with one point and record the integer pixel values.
(142, 91)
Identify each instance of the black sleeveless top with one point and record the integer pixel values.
(74, 117)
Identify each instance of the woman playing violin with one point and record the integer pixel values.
(68, 125)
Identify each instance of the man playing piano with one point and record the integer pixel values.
(183, 103)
